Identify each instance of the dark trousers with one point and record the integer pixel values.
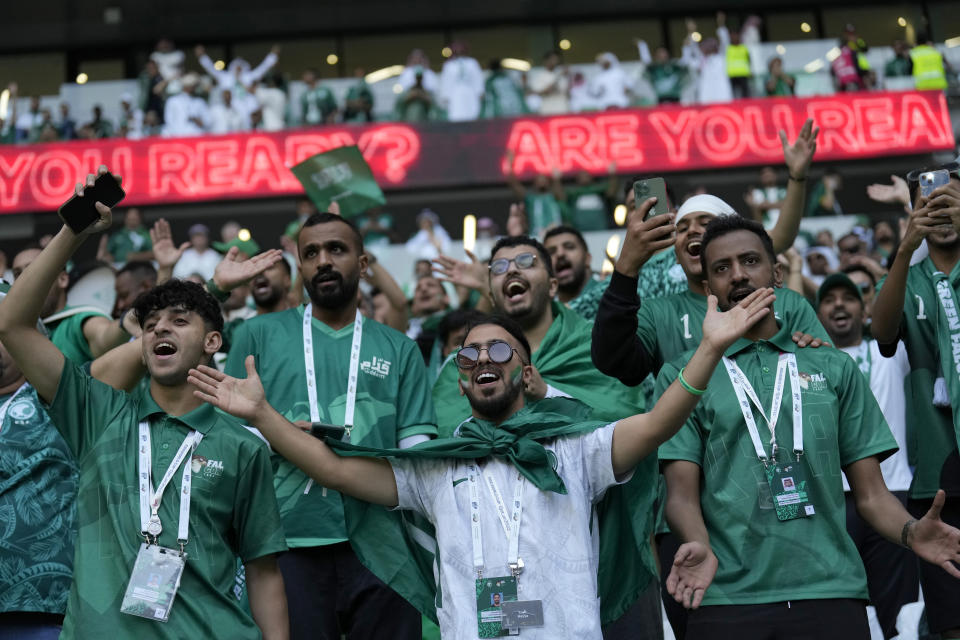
(329, 594)
(667, 546)
(642, 621)
(741, 87)
(892, 577)
(794, 620)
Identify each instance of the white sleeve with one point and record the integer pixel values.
(591, 453)
(553, 392)
(644, 51)
(418, 481)
(207, 65)
(409, 441)
(261, 69)
(723, 35)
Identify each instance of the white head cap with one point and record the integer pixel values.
(705, 203)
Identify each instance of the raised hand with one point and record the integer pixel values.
(165, 252)
(472, 275)
(721, 329)
(935, 541)
(897, 192)
(536, 389)
(694, 567)
(234, 271)
(240, 398)
(644, 238)
(921, 222)
(799, 155)
(944, 203)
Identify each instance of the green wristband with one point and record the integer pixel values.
(217, 292)
(686, 385)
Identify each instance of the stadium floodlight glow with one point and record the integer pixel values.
(469, 232)
(383, 74)
(696, 37)
(398, 88)
(902, 21)
(805, 27)
(515, 63)
(607, 267)
(82, 78)
(446, 52)
(833, 54)
(332, 59)
(952, 42)
(4, 103)
(243, 235)
(613, 246)
(620, 214)
(565, 44)
(219, 65)
(814, 66)
(781, 49)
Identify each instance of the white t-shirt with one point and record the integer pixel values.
(559, 552)
(555, 101)
(886, 383)
(193, 261)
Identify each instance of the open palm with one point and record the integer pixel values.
(721, 329)
(234, 271)
(165, 252)
(240, 398)
(472, 275)
(799, 155)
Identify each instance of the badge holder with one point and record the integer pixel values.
(492, 593)
(154, 581)
(789, 489)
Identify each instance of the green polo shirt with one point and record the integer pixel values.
(233, 511)
(393, 402)
(38, 489)
(930, 432)
(125, 241)
(67, 335)
(587, 302)
(762, 559)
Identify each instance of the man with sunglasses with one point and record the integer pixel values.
(918, 304)
(891, 569)
(523, 287)
(536, 547)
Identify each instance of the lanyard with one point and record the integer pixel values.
(6, 405)
(509, 523)
(312, 375)
(150, 498)
(743, 389)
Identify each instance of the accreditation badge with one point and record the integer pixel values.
(790, 490)
(154, 582)
(491, 594)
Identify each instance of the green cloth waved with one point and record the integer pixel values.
(399, 547)
(563, 361)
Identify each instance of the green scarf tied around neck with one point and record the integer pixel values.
(399, 547)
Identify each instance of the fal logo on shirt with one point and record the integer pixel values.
(376, 367)
(813, 381)
(206, 468)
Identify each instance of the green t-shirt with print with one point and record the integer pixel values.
(762, 559)
(930, 432)
(233, 511)
(316, 105)
(587, 302)
(393, 402)
(67, 335)
(662, 275)
(587, 206)
(38, 490)
(543, 212)
(125, 242)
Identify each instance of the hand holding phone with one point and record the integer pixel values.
(79, 212)
(931, 180)
(651, 188)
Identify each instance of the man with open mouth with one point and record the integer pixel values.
(576, 286)
(753, 477)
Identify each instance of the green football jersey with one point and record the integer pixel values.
(393, 402)
(233, 511)
(587, 302)
(762, 559)
(67, 335)
(38, 490)
(662, 275)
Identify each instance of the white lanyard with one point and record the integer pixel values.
(6, 405)
(150, 498)
(312, 375)
(743, 389)
(510, 524)
(351, 375)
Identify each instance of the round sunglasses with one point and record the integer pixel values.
(498, 352)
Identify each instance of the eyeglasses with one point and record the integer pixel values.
(522, 260)
(498, 351)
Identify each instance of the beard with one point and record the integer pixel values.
(271, 298)
(529, 313)
(577, 280)
(496, 406)
(334, 298)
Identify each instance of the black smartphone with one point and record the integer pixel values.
(649, 188)
(323, 431)
(79, 213)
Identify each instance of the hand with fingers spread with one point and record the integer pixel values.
(799, 155)
(165, 252)
(473, 274)
(722, 328)
(897, 192)
(234, 271)
(103, 211)
(921, 222)
(804, 340)
(644, 238)
(694, 567)
(243, 399)
(934, 540)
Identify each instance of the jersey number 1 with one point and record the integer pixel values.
(685, 319)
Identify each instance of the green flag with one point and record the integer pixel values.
(340, 175)
(399, 547)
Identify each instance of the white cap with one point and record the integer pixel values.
(705, 203)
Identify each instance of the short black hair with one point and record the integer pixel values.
(507, 324)
(140, 270)
(565, 228)
(856, 268)
(722, 225)
(524, 241)
(325, 217)
(457, 319)
(180, 294)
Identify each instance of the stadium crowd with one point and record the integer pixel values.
(236, 96)
(489, 447)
